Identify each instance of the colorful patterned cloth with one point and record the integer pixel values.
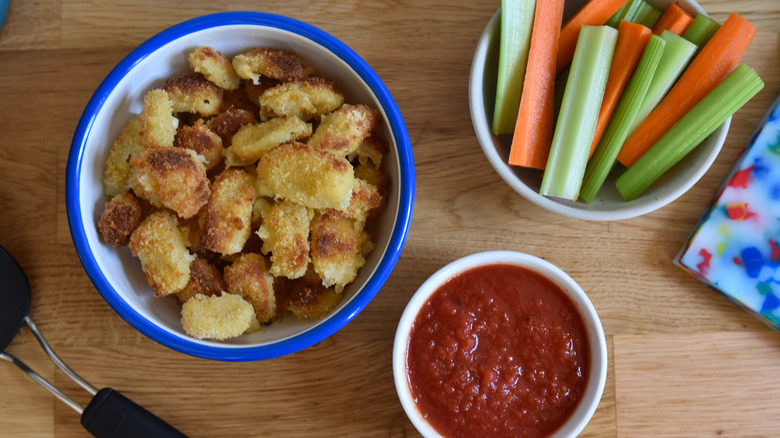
(735, 247)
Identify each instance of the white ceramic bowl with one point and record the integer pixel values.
(597, 341)
(117, 274)
(608, 204)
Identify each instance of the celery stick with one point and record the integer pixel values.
(560, 88)
(600, 164)
(617, 17)
(517, 18)
(631, 9)
(723, 101)
(579, 112)
(647, 15)
(677, 52)
(700, 31)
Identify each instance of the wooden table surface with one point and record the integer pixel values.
(683, 361)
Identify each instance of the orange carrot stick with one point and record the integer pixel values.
(715, 61)
(534, 128)
(674, 19)
(594, 13)
(631, 43)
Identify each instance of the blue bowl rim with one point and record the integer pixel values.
(406, 188)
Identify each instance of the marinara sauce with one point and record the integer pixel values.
(498, 350)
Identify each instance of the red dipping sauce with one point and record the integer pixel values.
(498, 351)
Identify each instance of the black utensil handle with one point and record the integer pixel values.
(112, 415)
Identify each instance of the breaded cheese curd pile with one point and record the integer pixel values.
(244, 188)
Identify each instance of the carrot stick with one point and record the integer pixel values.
(594, 13)
(715, 61)
(674, 19)
(631, 42)
(534, 128)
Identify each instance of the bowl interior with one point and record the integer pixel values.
(608, 204)
(597, 341)
(118, 275)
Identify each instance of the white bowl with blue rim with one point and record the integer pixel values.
(117, 275)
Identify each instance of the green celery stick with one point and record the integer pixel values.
(579, 112)
(630, 10)
(647, 15)
(677, 52)
(617, 17)
(517, 18)
(560, 88)
(603, 159)
(700, 31)
(720, 103)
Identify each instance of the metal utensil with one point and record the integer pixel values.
(109, 414)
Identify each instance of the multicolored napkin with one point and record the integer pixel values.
(735, 247)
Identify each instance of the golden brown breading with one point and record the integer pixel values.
(249, 278)
(119, 219)
(203, 141)
(372, 174)
(162, 248)
(285, 234)
(158, 124)
(228, 214)
(252, 141)
(205, 279)
(306, 297)
(215, 67)
(228, 122)
(308, 176)
(262, 188)
(364, 203)
(173, 178)
(125, 148)
(370, 149)
(282, 65)
(303, 99)
(335, 248)
(342, 131)
(366, 244)
(217, 317)
(193, 93)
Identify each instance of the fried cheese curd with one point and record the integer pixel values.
(306, 99)
(161, 246)
(336, 248)
(157, 123)
(203, 141)
(228, 213)
(285, 235)
(343, 130)
(306, 297)
(205, 279)
(119, 219)
(217, 317)
(193, 93)
(171, 177)
(282, 65)
(308, 176)
(127, 146)
(244, 188)
(250, 142)
(215, 67)
(249, 278)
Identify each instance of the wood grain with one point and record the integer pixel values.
(683, 360)
(679, 385)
